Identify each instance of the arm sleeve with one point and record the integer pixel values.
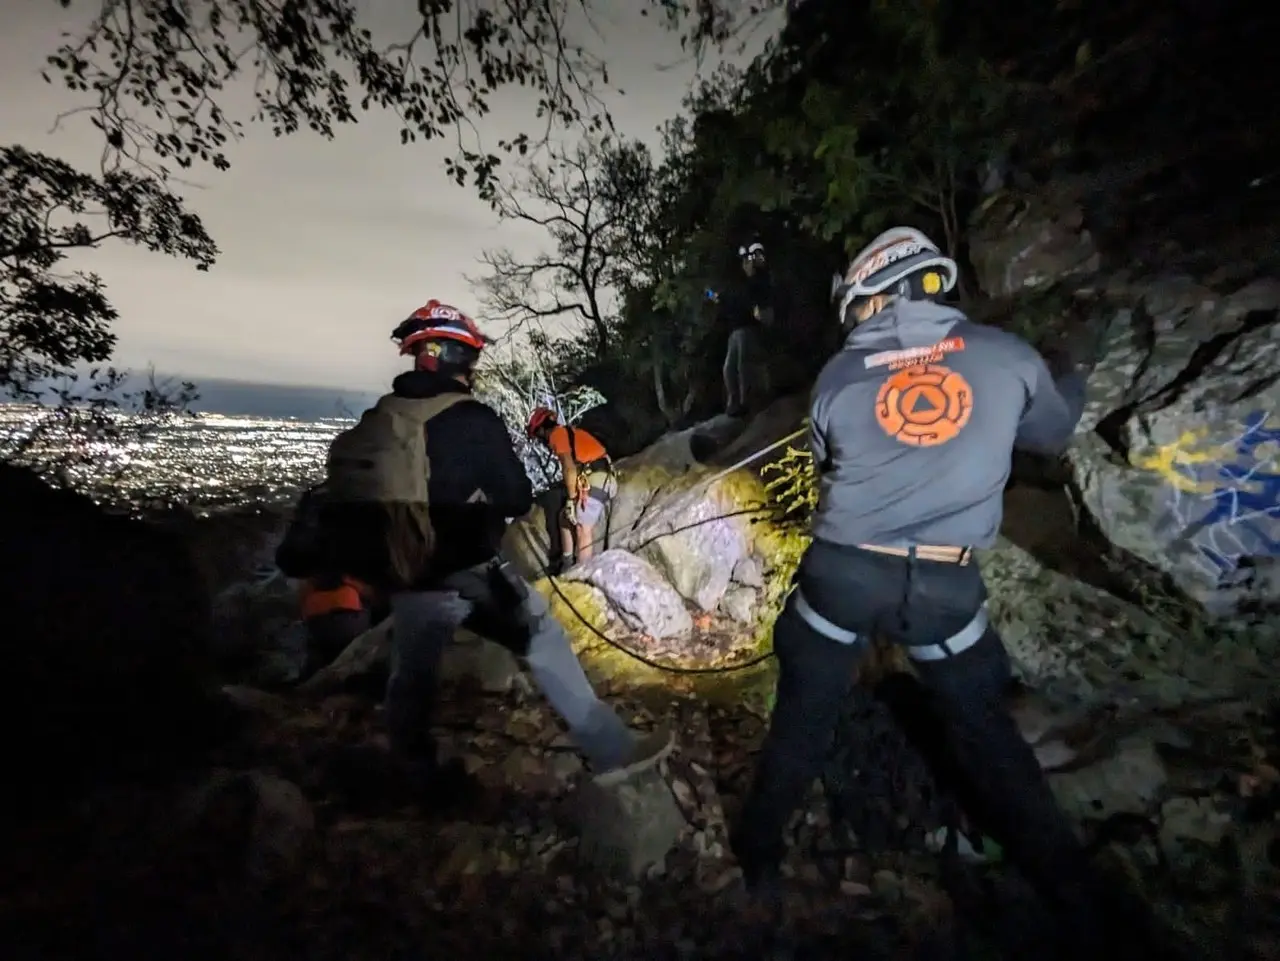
(1053, 408)
(817, 433)
(506, 485)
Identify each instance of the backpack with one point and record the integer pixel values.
(374, 502)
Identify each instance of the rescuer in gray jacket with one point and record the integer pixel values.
(913, 424)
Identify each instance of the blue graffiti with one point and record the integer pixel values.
(1242, 519)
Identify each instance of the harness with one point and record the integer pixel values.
(587, 471)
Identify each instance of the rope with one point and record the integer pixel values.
(708, 481)
(748, 459)
(634, 654)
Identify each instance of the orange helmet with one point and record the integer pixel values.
(540, 418)
(437, 321)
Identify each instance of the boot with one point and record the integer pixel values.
(649, 750)
(761, 893)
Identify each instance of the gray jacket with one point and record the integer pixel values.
(910, 455)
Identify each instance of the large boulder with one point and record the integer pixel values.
(1026, 241)
(697, 515)
(1178, 460)
(1174, 474)
(1077, 643)
(106, 655)
(643, 599)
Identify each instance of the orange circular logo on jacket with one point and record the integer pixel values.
(924, 406)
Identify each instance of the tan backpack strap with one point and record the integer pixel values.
(433, 406)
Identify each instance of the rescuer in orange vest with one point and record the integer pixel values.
(589, 486)
(335, 610)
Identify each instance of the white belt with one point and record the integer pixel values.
(957, 643)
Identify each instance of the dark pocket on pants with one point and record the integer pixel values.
(497, 605)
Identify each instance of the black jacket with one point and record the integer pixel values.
(756, 293)
(470, 451)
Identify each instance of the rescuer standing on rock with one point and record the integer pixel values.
(763, 307)
(912, 426)
(415, 503)
(574, 516)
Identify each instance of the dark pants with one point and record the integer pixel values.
(329, 634)
(492, 601)
(553, 501)
(743, 371)
(911, 602)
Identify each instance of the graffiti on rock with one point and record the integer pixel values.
(1224, 498)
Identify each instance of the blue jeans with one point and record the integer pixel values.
(425, 621)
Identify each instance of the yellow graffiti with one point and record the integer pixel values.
(1171, 461)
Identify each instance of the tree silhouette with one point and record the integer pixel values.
(589, 199)
(51, 318)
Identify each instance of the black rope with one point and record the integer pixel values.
(630, 652)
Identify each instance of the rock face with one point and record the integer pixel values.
(365, 664)
(1180, 462)
(627, 827)
(1026, 242)
(1174, 475)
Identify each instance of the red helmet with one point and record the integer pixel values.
(540, 418)
(437, 321)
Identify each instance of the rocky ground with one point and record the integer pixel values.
(297, 843)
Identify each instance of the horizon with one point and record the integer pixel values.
(238, 397)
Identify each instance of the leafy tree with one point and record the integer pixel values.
(517, 381)
(155, 80)
(51, 318)
(156, 71)
(911, 144)
(54, 319)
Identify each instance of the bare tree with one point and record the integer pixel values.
(582, 198)
(514, 382)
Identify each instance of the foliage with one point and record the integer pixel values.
(794, 490)
(53, 319)
(854, 117)
(793, 497)
(316, 64)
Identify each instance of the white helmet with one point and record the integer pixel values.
(889, 263)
